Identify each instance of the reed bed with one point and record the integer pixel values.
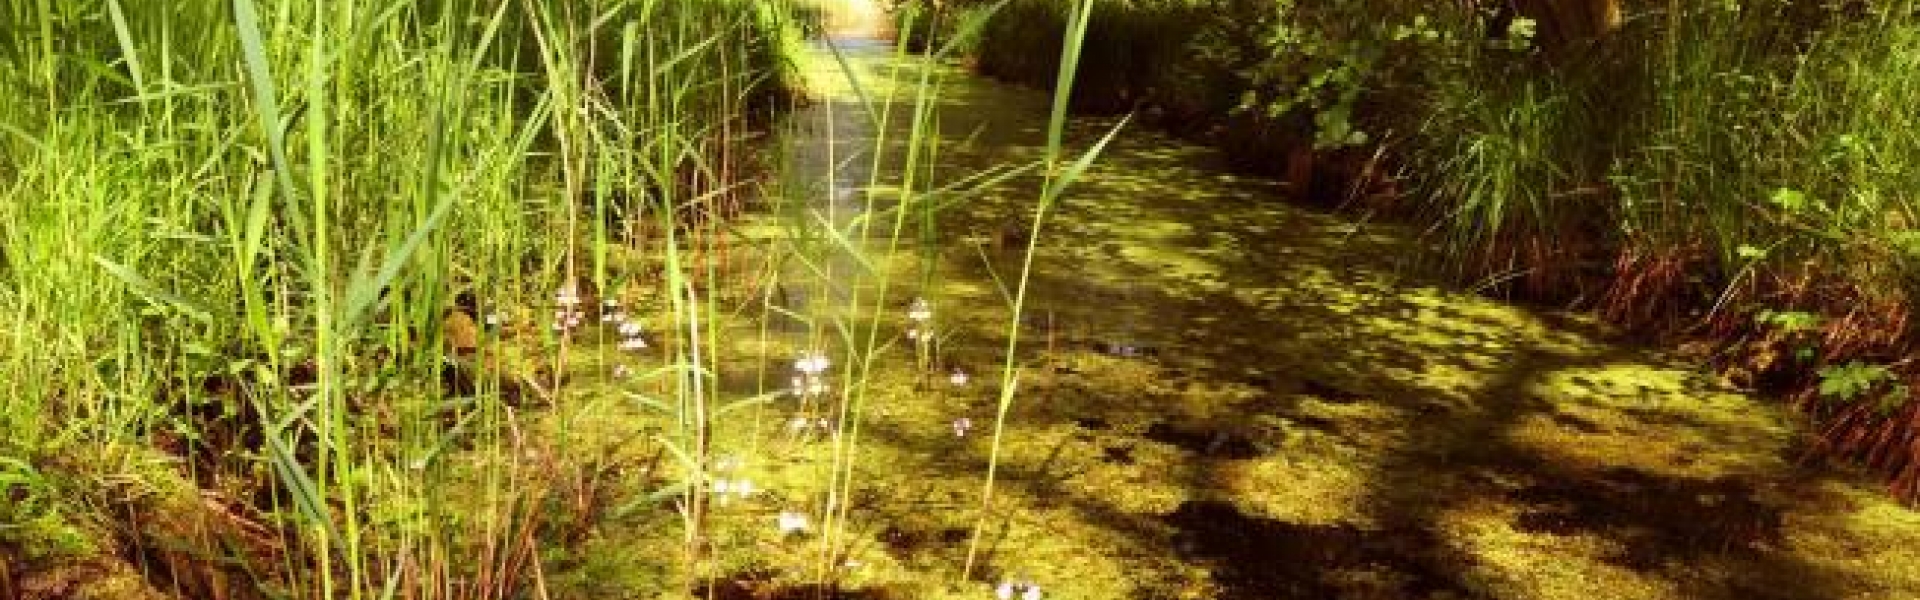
(411, 299)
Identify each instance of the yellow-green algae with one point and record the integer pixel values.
(1379, 402)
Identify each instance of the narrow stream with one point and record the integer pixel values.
(1223, 395)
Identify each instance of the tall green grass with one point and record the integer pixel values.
(1779, 173)
(1796, 146)
(308, 286)
(236, 235)
(1510, 152)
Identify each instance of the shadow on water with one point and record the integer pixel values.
(762, 586)
(1272, 559)
(1319, 352)
(1664, 525)
(1207, 441)
(1656, 520)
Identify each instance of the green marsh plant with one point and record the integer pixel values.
(237, 233)
(340, 286)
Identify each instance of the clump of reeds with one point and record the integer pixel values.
(235, 231)
(331, 273)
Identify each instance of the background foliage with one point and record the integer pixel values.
(1681, 167)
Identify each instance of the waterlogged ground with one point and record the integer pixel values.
(1221, 396)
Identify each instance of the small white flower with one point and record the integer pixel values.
(567, 297)
(961, 426)
(959, 378)
(1004, 592)
(633, 344)
(610, 303)
(814, 364)
(744, 488)
(565, 319)
(1033, 593)
(792, 522)
(920, 311)
(913, 335)
(622, 371)
(495, 319)
(629, 328)
(722, 486)
(799, 424)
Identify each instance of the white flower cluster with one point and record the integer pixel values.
(729, 489)
(799, 425)
(568, 316)
(792, 522)
(630, 331)
(810, 375)
(812, 364)
(1026, 591)
(724, 485)
(920, 313)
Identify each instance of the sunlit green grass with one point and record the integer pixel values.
(306, 285)
(237, 233)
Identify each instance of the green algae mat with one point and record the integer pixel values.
(1220, 396)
